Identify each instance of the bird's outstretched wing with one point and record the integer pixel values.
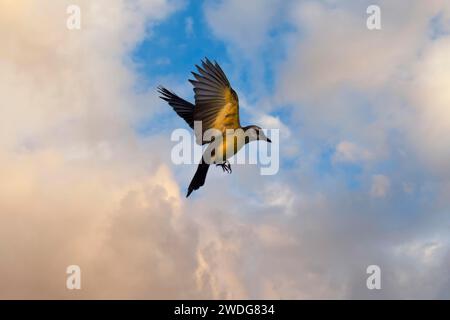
(216, 103)
(182, 107)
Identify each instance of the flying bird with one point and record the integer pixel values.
(216, 107)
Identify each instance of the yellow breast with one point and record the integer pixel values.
(231, 144)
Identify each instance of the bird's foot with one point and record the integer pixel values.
(226, 167)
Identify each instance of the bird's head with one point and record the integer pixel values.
(256, 133)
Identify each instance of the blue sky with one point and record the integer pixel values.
(171, 49)
(174, 46)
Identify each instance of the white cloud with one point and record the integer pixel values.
(429, 95)
(338, 50)
(380, 186)
(349, 152)
(339, 75)
(67, 147)
(82, 188)
(244, 24)
(189, 26)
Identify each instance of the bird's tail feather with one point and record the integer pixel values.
(199, 178)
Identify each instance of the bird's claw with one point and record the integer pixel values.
(226, 167)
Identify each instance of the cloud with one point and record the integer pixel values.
(83, 188)
(349, 152)
(340, 73)
(380, 186)
(430, 99)
(67, 147)
(245, 25)
(330, 61)
(247, 31)
(376, 107)
(189, 26)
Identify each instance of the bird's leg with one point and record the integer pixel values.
(226, 167)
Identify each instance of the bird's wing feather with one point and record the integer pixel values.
(182, 107)
(216, 103)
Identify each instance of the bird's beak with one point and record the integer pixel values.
(268, 140)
